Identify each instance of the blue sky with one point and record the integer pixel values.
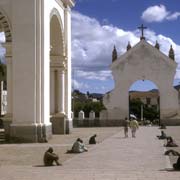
(99, 24)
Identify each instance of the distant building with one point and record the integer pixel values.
(81, 97)
(148, 98)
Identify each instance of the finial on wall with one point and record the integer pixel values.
(171, 53)
(128, 46)
(157, 45)
(114, 54)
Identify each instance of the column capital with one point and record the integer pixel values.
(61, 70)
(69, 3)
(57, 57)
(58, 64)
(9, 60)
(8, 46)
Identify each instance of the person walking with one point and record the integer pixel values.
(126, 125)
(134, 126)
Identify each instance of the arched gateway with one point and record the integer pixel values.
(38, 56)
(143, 61)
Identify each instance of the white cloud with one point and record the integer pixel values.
(155, 13)
(158, 13)
(92, 45)
(173, 16)
(79, 85)
(2, 37)
(93, 75)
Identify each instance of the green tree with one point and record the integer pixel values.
(77, 106)
(87, 107)
(149, 113)
(135, 107)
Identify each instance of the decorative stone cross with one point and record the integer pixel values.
(142, 27)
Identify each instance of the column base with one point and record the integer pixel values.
(30, 133)
(69, 126)
(7, 121)
(60, 124)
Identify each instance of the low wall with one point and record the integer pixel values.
(96, 123)
(116, 122)
(170, 122)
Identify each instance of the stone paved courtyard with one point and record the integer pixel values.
(113, 158)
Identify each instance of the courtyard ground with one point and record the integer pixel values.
(32, 153)
(113, 158)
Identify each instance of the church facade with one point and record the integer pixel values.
(142, 62)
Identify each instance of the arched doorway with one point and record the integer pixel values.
(6, 35)
(57, 74)
(3, 78)
(144, 102)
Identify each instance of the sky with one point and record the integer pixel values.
(98, 25)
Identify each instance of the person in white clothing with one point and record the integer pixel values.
(134, 126)
(78, 147)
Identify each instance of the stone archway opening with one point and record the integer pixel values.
(56, 37)
(57, 76)
(5, 27)
(3, 78)
(144, 102)
(6, 70)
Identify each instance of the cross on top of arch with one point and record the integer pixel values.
(142, 28)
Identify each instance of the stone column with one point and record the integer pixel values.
(58, 115)
(61, 93)
(7, 120)
(52, 91)
(8, 47)
(81, 115)
(67, 38)
(92, 115)
(9, 86)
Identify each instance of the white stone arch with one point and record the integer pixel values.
(143, 80)
(56, 58)
(5, 26)
(58, 73)
(143, 61)
(56, 20)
